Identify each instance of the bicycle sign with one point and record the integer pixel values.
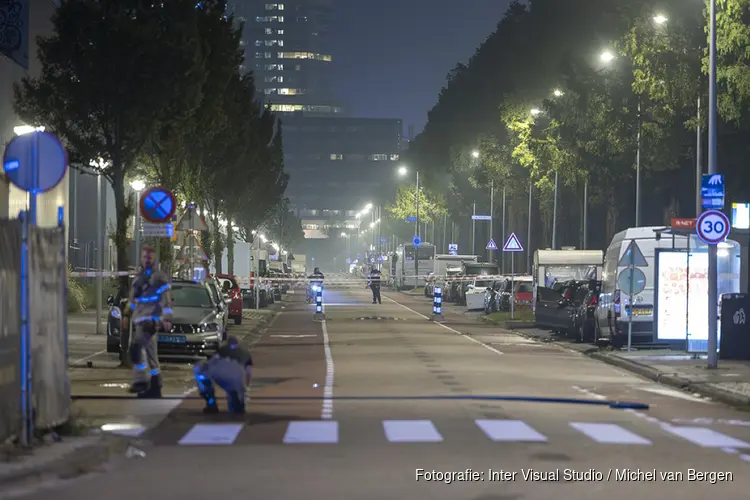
(712, 227)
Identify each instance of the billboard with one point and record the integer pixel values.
(678, 293)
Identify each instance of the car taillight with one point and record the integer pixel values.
(594, 301)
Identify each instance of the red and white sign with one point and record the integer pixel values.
(713, 227)
(684, 223)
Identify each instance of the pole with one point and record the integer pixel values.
(445, 223)
(713, 340)
(586, 214)
(528, 232)
(698, 166)
(416, 233)
(512, 287)
(631, 273)
(502, 236)
(638, 171)
(492, 216)
(256, 282)
(554, 215)
(473, 229)
(99, 252)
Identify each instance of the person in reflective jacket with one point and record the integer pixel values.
(374, 284)
(151, 305)
(231, 369)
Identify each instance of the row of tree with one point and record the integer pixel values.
(157, 90)
(583, 91)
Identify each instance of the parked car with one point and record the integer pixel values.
(492, 295)
(585, 314)
(218, 298)
(274, 278)
(556, 307)
(522, 293)
(230, 287)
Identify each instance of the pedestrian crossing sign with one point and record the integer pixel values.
(491, 245)
(513, 245)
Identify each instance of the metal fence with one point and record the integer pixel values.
(48, 325)
(10, 328)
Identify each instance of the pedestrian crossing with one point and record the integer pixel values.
(329, 432)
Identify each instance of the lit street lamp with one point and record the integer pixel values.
(606, 56)
(138, 186)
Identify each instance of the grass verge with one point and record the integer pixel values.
(499, 318)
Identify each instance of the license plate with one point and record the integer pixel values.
(172, 339)
(643, 311)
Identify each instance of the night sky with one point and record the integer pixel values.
(391, 56)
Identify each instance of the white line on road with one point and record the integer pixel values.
(489, 348)
(75, 362)
(327, 410)
(666, 391)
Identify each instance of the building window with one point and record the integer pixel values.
(279, 32)
(394, 157)
(258, 43)
(273, 79)
(269, 31)
(304, 55)
(355, 157)
(291, 91)
(271, 43)
(269, 19)
(336, 156)
(274, 67)
(297, 67)
(274, 6)
(378, 157)
(269, 91)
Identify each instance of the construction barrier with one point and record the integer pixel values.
(318, 303)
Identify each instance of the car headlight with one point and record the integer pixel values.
(115, 313)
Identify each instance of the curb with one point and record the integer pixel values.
(82, 459)
(684, 384)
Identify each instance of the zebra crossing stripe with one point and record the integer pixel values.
(315, 431)
(211, 434)
(510, 430)
(411, 431)
(609, 433)
(706, 438)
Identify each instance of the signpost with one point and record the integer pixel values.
(151, 230)
(713, 227)
(453, 249)
(416, 241)
(481, 217)
(411, 218)
(491, 245)
(512, 246)
(36, 163)
(631, 279)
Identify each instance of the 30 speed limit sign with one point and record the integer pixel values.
(712, 227)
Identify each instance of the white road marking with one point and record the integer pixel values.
(489, 348)
(326, 412)
(666, 391)
(77, 361)
(589, 393)
(129, 430)
(609, 433)
(510, 430)
(411, 431)
(211, 434)
(312, 432)
(706, 438)
(293, 336)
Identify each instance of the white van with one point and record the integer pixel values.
(608, 313)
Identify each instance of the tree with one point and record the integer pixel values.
(106, 74)
(284, 227)
(431, 206)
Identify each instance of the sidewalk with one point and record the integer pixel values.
(66, 457)
(729, 383)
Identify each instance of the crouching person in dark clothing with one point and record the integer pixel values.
(231, 369)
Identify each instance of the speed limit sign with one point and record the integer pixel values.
(712, 227)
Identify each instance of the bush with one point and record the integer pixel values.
(76, 295)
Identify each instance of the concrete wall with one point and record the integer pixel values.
(13, 200)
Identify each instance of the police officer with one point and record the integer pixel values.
(231, 369)
(374, 284)
(151, 306)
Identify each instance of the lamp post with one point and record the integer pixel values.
(137, 186)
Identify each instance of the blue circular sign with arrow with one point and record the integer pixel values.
(157, 205)
(416, 241)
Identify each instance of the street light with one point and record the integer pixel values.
(402, 170)
(660, 19)
(558, 93)
(475, 154)
(138, 186)
(536, 112)
(26, 129)
(606, 56)
(344, 235)
(368, 207)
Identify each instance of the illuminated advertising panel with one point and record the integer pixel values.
(676, 295)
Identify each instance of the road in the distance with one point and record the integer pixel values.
(373, 449)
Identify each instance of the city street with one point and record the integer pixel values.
(84, 345)
(375, 449)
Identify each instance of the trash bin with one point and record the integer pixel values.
(735, 327)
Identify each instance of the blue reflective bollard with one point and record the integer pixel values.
(319, 303)
(437, 304)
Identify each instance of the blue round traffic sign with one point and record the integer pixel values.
(157, 205)
(35, 162)
(416, 241)
(632, 277)
(713, 227)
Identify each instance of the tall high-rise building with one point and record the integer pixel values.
(287, 48)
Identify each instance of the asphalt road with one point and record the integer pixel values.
(84, 345)
(376, 449)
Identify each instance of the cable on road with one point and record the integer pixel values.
(617, 405)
